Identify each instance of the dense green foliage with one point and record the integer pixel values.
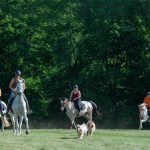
(102, 45)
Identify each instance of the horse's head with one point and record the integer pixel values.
(20, 86)
(63, 103)
(142, 107)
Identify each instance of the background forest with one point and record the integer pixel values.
(101, 45)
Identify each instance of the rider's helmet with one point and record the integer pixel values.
(75, 86)
(18, 72)
(148, 93)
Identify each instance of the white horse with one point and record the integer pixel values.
(72, 112)
(143, 114)
(19, 109)
(4, 121)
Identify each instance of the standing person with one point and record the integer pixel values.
(75, 96)
(147, 102)
(12, 87)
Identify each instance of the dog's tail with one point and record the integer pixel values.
(95, 110)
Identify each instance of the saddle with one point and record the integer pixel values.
(148, 111)
(81, 106)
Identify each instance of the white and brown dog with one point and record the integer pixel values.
(91, 127)
(82, 130)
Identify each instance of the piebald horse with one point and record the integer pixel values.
(72, 112)
(19, 109)
(143, 114)
(4, 122)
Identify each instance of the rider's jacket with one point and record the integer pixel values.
(147, 101)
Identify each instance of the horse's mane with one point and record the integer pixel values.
(142, 105)
(66, 98)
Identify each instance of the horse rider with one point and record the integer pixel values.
(75, 96)
(147, 102)
(12, 87)
(1, 109)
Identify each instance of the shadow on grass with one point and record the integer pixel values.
(64, 138)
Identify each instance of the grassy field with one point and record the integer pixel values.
(62, 139)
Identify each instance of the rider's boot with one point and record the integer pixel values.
(8, 107)
(9, 104)
(2, 113)
(29, 111)
(148, 112)
(1, 109)
(78, 114)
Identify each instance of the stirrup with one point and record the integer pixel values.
(78, 114)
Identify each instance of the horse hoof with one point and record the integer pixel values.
(27, 132)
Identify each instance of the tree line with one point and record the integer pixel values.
(101, 45)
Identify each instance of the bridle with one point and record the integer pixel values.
(64, 103)
(20, 87)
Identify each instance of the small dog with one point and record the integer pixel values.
(91, 127)
(82, 130)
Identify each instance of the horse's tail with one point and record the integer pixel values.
(95, 109)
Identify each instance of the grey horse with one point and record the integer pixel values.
(19, 109)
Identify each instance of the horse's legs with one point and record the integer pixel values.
(16, 124)
(20, 123)
(88, 116)
(140, 126)
(2, 122)
(27, 126)
(12, 121)
(72, 122)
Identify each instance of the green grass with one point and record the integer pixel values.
(61, 139)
